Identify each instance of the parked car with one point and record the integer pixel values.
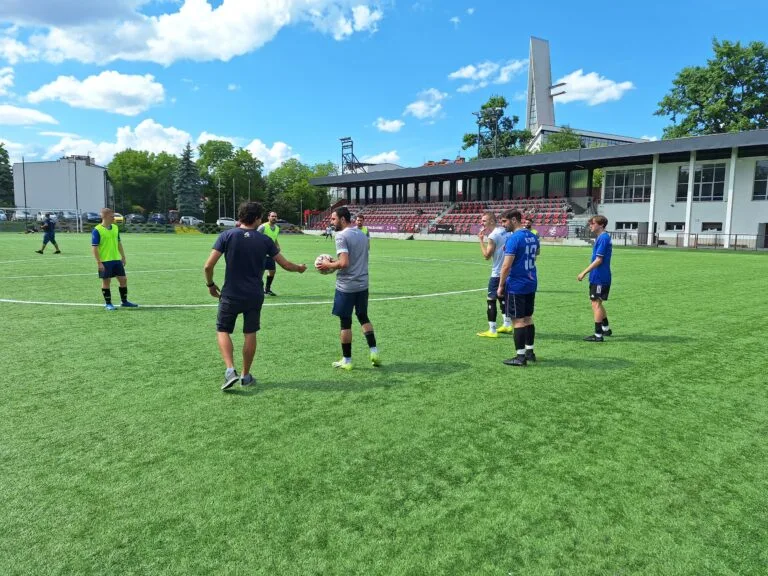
(65, 215)
(3, 216)
(190, 221)
(135, 219)
(226, 222)
(41, 216)
(157, 218)
(287, 227)
(91, 217)
(119, 218)
(20, 215)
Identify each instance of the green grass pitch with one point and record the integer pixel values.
(647, 454)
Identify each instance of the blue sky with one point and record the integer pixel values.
(287, 78)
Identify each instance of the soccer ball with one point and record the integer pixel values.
(320, 259)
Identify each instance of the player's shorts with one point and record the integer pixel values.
(599, 291)
(493, 287)
(520, 305)
(269, 263)
(49, 237)
(344, 303)
(112, 269)
(229, 310)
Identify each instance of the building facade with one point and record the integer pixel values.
(71, 183)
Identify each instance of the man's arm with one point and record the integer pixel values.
(120, 249)
(509, 259)
(487, 249)
(341, 262)
(95, 250)
(588, 269)
(208, 267)
(289, 266)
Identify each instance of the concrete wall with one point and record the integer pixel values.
(51, 185)
(748, 214)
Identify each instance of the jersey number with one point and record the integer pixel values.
(530, 257)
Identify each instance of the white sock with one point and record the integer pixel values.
(606, 328)
(347, 360)
(507, 322)
(492, 326)
(374, 350)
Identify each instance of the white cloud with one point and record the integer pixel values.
(207, 136)
(12, 50)
(6, 80)
(470, 11)
(455, 21)
(520, 96)
(591, 88)
(650, 138)
(428, 105)
(384, 125)
(148, 135)
(61, 13)
(111, 91)
(53, 134)
(482, 74)
(15, 116)
(271, 157)
(17, 151)
(233, 87)
(195, 31)
(391, 157)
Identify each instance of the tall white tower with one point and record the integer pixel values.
(541, 104)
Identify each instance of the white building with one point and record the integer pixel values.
(71, 183)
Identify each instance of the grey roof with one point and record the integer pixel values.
(621, 154)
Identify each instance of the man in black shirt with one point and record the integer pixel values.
(49, 234)
(245, 251)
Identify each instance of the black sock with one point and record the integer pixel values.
(520, 334)
(269, 282)
(371, 339)
(605, 322)
(492, 314)
(530, 335)
(599, 329)
(123, 293)
(346, 350)
(107, 293)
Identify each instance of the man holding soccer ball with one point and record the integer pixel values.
(351, 268)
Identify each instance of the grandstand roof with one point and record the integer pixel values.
(754, 142)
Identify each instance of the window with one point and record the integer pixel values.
(708, 183)
(760, 191)
(633, 185)
(626, 225)
(711, 226)
(674, 226)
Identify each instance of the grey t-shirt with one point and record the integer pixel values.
(353, 278)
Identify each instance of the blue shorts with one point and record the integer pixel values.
(345, 302)
(269, 263)
(493, 286)
(49, 237)
(112, 268)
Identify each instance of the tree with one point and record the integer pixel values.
(729, 94)
(133, 179)
(566, 139)
(164, 169)
(498, 136)
(289, 191)
(6, 179)
(186, 187)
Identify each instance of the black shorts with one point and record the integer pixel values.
(520, 305)
(493, 287)
(230, 309)
(112, 268)
(269, 263)
(344, 303)
(599, 291)
(49, 237)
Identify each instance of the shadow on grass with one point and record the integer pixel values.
(592, 364)
(360, 379)
(616, 338)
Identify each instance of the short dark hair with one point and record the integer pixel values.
(600, 220)
(343, 213)
(249, 212)
(510, 214)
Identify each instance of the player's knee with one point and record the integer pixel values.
(363, 319)
(346, 322)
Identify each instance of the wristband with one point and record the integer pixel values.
(211, 285)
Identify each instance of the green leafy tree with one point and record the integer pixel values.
(6, 178)
(289, 191)
(498, 136)
(164, 169)
(186, 187)
(729, 94)
(566, 139)
(133, 179)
